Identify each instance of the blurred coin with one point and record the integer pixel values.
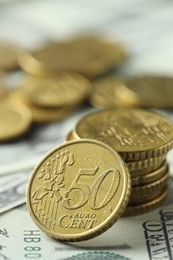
(136, 134)
(15, 120)
(45, 115)
(8, 57)
(146, 207)
(90, 57)
(3, 90)
(63, 90)
(74, 194)
(146, 91)
(150, 177)
(103, 92)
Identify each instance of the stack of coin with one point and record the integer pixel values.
(88, 56)
(53, 98)
(143, 139)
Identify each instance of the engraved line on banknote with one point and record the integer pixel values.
(167, 221)
(156, 233)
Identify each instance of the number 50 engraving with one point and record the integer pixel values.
(89, 194)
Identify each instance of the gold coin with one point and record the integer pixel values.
(136, 134)
(8, 57)
(103, 93)
(45, 115)
(146, 91)
(146, 207)
(64, 90)
(90, 57)
(150, 177)
(135, 166)
(147, 198)
(150, 188)
(78, 190)
(15, 120)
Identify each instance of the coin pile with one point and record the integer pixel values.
(143, 139)
(57, 79)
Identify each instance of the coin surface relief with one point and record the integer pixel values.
(78, 190)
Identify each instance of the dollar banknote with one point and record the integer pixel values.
(147, 236)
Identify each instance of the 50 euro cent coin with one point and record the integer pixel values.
(78, 190)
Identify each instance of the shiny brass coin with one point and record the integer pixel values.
(45, 115)
(147, 189)
(15, 120)
(64, 90)
(145, 164)
(78, 190)
(150, 177)
(146, 91)
(8, 57)
(90, 57)
(147, 198)
(146, 207)
(103, 93)
(136, 134)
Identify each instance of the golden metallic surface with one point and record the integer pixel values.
(88, 56)
(136, 134)
(3, 90)
(45, 115)
(147, 91)
(150, 177)
(146, 207)
(8, 57)
(143, 190)
(64, 90)
(69, 137)
(78, 190)
(145, 164)
(103, 93)
(15, 120)
(147, 198)
(146, 171)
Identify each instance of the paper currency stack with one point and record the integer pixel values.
(143, 139)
